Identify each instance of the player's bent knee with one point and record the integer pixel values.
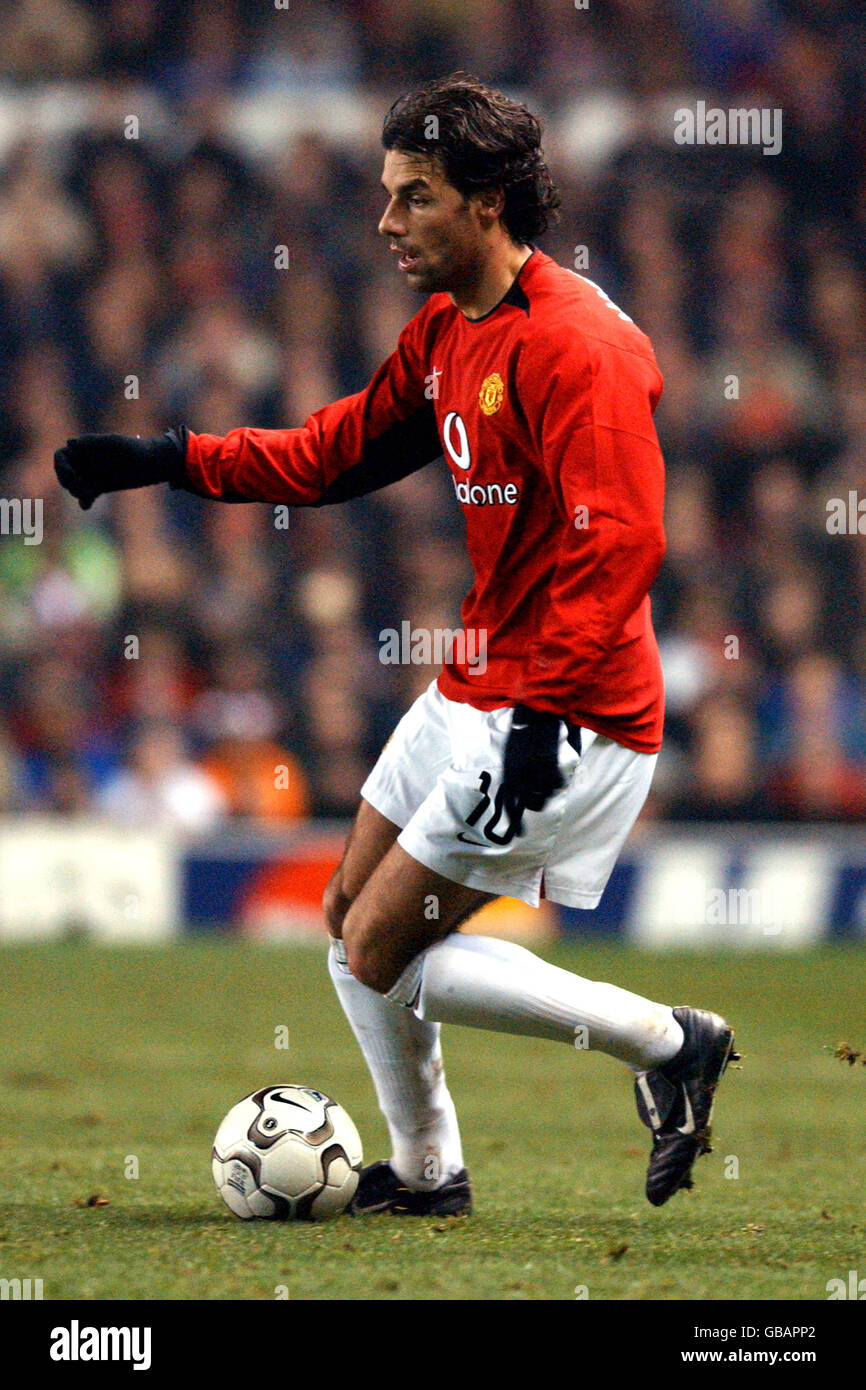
(364, 957)
(370, 971)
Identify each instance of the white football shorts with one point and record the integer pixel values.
(438, 778)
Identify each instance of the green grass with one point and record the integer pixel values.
(110, 1053)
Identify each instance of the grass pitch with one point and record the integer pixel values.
(110, 1055)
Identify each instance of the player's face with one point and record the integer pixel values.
(437, 233)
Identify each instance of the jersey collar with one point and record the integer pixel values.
(514, 295)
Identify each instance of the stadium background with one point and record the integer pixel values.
(151, 164)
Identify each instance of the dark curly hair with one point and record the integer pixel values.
(481, 140)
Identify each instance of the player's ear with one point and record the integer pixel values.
(490, 203)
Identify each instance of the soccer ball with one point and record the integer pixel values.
(287, 1153)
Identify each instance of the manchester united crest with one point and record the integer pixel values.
(492, 393)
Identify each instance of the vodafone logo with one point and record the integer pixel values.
(460, 454)
(456, 442)
(491, 495)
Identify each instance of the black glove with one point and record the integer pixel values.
(97, 463)
(530, 772)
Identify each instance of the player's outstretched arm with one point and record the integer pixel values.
(348, 448)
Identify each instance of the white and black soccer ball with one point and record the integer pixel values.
(287, 1153)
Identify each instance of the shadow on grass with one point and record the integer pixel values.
(114, 1217)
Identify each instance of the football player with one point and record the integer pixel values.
(523, 774)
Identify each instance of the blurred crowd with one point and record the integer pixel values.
(168, 660)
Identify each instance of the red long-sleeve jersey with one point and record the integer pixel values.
(543, 412)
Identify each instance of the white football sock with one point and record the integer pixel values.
(486, 983)
(405, 1061)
